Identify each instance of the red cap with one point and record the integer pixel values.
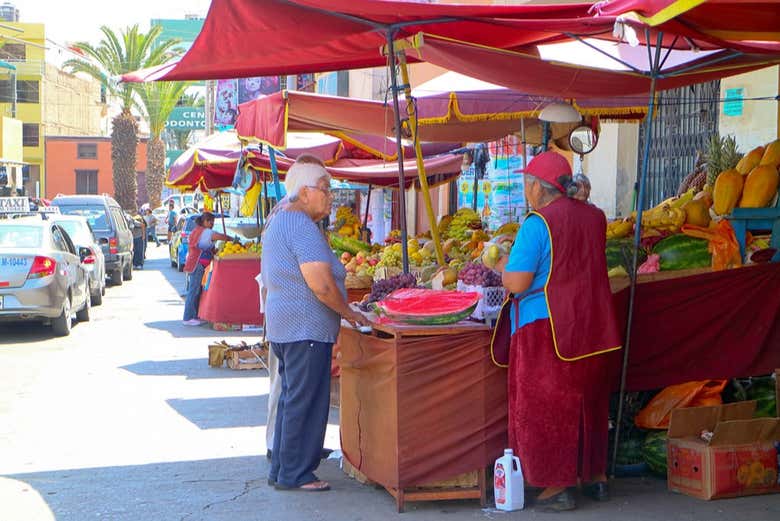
(549, 166)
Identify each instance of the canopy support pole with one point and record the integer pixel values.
(655, 62)
(368, 207)
(258, 205)
(412, 112)
(275, 173)
(400, 147)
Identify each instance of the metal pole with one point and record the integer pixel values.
(368, 207)
(275, 173)
(400, 147)
(412, 112)
(211, 89)
(654, 71)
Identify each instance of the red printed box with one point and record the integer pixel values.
(742, 458)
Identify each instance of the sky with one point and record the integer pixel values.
(80, 20)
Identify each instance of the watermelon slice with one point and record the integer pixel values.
(427, 306)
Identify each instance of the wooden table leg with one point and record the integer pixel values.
(482, 480)
(399, 500)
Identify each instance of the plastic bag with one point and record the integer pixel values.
(723, 243)
(657, 413)
(249, 204)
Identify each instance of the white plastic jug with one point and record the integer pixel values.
(508, 482)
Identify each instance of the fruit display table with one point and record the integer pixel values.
(421, 405)
(233, 296)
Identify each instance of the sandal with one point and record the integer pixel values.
(313, 486)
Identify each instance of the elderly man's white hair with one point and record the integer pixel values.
(306, 171)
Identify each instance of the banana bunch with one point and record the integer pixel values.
(507, 228)
(619, 229)
(663, 218)
(677, 201)
(463, 223)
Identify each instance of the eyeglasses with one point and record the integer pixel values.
(326, 191)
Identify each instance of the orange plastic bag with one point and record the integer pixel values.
(723, 243)
(690, 394)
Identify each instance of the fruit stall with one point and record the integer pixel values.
(230, 294)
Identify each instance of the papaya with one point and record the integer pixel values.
(750, 160)
(771, 154)
(697, 213)
(727, 191)
(760, 187)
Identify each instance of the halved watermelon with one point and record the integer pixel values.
(428, 306)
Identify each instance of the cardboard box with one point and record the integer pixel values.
(741, 459)
(254, 358)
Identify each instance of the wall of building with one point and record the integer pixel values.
(71, 104)
(758, 122)
(62, 162)
(611, 168)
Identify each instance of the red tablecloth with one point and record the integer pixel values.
(233, 295)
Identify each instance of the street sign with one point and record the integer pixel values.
(186, 118)
(14, 205)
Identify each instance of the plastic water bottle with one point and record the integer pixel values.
(508, 482)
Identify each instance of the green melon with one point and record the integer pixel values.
(654, 452)
(630, 451)
(763, 391)
(681, 252)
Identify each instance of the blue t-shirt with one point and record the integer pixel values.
(293, 311)
(531, 253)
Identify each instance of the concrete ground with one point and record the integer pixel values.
(125, 420)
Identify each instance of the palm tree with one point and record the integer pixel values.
(158, 99)
(113, 56)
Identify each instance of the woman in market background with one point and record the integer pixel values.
(563, 324)
(583, 187)
(305, 301)
(199, 254)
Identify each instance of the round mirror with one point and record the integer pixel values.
(583, 140)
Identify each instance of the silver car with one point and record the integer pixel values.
(80, 232)
(41, 274)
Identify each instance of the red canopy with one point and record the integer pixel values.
(243, 38)
(212, 163)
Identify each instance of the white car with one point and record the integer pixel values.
(161, 214)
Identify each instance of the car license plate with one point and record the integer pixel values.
(13, 262)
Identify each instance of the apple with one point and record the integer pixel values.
(373, 261)
(346, 257)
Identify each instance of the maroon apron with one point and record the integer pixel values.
(579, 299)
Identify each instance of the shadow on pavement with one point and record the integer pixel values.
(177, 330)
(12, 333)
(192, 369)
(209, 413)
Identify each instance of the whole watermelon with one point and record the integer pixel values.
(620, 252)
(630, 451)
(763, 391)
(681, 252)
(654, 452)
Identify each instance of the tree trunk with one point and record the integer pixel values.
(155, 170)
(124, 139)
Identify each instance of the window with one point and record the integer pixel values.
(13, 51)
(6, 91)
(87, 150)
(86, 182)
(31, 135)
(59, 240)
(27, 91)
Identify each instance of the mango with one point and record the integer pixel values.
(697, 213)
(727, 191)
(771, 154)
(490, 256)
(750, 160)
(760, 187)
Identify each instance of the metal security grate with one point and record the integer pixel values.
(685, 120)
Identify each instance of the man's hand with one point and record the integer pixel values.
(356, 319)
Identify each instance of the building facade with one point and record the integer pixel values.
(82, 165)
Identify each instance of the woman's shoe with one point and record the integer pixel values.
(560, 502)
(598, 491)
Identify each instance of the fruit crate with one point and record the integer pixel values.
(489, 304)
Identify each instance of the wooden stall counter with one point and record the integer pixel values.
(233, 295)
(422, 405)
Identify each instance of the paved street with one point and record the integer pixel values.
(125, 420)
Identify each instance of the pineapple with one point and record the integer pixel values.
(722, 155)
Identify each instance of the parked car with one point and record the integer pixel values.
(183, 200)
(161, 214)
(81, 234)
(177, 250)
(42, 274)
(108, 222)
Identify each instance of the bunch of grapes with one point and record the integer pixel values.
(384, 287)
(390, 258)
(476, 274)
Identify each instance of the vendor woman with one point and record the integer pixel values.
(563, 326)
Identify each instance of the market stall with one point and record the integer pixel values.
(497, 42)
